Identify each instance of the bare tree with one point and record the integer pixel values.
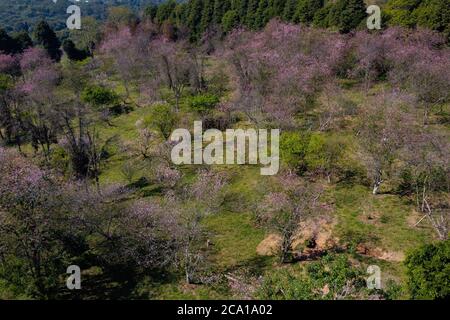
(384, 125)
(282, 211)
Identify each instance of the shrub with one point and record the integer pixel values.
(99, 97)
(293, 148)
(428, 270)
(203, 103)
(332, 272)
(163, 119)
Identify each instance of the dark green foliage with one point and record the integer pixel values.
(7, 44)
(46, 37)
(347, 14)
(289, 10)
(230, 20)
(428, 270)
(23, 41)
(151, 11)
(220, 8)
(251, 16)
(263, 14)
(435, 179)
(165, 11)
(19, 15)
(332, 271)
(99, 97)
(194, 19)
(322, 16)
(73, 53)
(207, 15)
(306, 9)
(277, 7)
(433, 14)
(16, 43)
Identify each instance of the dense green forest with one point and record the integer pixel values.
(88, 178)
(20, 15)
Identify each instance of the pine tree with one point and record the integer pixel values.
(230, 21)
(165, 11)
(289, 10)
(23, 41)
(207, 15)
(262, 14)
(277, 8)
(220, 8)
(194, 18)
(251, 13)
(241, 9)
(46, 37)
(7, 44)
(348, 14)
(306, 9)
(151, 11)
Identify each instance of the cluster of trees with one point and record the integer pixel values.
(199, 16)
(23, 15)
(48, 223)
(284, 76)
(433, 14)
(45, 37)
(287, 71)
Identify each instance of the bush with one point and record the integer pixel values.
(428, 270)
(331, 272)
(293, 148)
(203, 103)
(99, 97)
(163, 119)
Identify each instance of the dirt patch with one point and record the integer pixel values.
(314, 236)
(378, 253)
(318, 232)
(270, 246)
(413, 218)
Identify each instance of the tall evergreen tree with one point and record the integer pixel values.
(194, 18)
(151, 11)
(7, 44)
(262, 14)
(230, 20)
(306, 9)
(46, 37)
(207, 15)
(251, 13)
(348, 14)
(165, 11)
(241, 8)
(277, 8)
(23, 41)
(289, 10)
(220, 7)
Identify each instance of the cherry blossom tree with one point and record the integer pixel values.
(284, 209)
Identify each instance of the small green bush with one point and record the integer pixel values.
(163, 119)
(203, 103)
(99, 97)
(428, 271)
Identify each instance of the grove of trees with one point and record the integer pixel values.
(87, 178)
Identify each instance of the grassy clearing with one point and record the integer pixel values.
(380, 220)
